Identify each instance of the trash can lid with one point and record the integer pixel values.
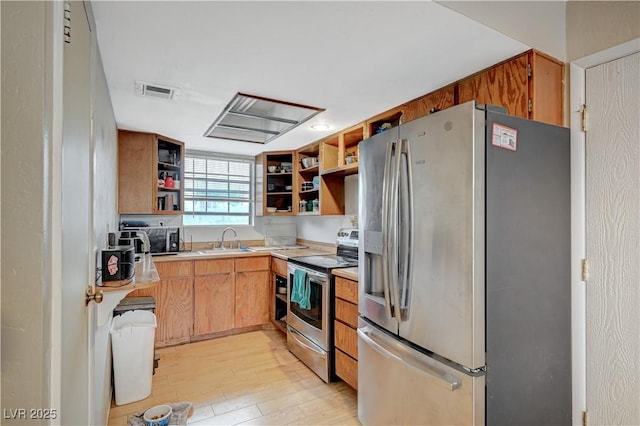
(132, 303)
(134, 319)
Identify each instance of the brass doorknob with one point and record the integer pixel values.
(93, 295)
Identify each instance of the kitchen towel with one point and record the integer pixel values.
(301, 289)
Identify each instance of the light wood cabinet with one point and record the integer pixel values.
(213, 303)
(213, 266)
(252, 298)
(306, 189)
(347, 369)
(204, 298)
(174, 303)
(435, 101)
(504, 85)
(278, 183)
(248, 264)
(279, 276)
(345, 326)
(135, 172)
(143, 160)
(528, 86)
(230, 294)
(214, 289)
(279, 266)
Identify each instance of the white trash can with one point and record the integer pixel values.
(132, 341)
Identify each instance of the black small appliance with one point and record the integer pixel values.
(118, 263)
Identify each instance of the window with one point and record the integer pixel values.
(217, 189)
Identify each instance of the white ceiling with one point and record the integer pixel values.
(355, 59)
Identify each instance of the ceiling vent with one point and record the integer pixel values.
(249, 118)
(148, 89)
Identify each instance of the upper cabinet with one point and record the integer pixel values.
(308, 180)
(278, 182)
(528, 86)
(150, 174)
(435, 101)
(339, 153)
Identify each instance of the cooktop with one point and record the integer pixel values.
(327, 261)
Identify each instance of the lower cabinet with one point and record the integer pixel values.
(230, 294)
(174, 302)
(201, 297)
(253, 294)
(345, 334)
(213, 303)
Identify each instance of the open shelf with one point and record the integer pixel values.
(274, 194)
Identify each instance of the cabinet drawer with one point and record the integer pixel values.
(168, 270)
(347, 290)
(347, 368)
(346, 339)
(347, 312)
(213, 266)
(279, 266)
(247, 264)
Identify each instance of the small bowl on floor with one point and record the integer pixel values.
(158, 415)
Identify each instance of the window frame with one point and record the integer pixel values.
(210, 155)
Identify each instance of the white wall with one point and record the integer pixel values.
(105, 141)
(26, 333)
(539, 24)
(593, 26)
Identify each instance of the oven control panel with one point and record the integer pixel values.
(347, 237)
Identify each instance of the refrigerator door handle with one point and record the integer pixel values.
(386, 206)
(394, 206)
(396, 351)
(406, 222)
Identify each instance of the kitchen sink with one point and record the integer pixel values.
(224, 251)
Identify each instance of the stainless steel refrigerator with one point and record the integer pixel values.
(465, 272)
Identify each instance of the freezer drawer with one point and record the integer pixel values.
(398, 385)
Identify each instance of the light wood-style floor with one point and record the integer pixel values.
(244, 379)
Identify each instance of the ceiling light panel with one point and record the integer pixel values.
(249, 118)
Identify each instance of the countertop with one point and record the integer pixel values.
(348, 273)
(221, 254)
(146, 275)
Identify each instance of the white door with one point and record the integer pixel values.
(613, 242)
(78, 264)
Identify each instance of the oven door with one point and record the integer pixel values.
(313, 323)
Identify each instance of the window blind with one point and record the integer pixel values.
(217, 190)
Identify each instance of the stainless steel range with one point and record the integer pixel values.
(309, 321)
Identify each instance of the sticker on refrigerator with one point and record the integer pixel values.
(504, 137)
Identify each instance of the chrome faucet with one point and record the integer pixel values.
(235, 234)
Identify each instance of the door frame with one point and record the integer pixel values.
(577, 96)
(52, 139)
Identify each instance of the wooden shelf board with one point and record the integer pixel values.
(168, 165)
(308, 191)
(280, 193)
(282, 297)
(350, 169)
(279, 174)
(164, 188)
(309, 169)
(176, 212)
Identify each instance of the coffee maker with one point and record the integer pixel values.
(138, 239)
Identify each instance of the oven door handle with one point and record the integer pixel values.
(295, 333)
(311, 274)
